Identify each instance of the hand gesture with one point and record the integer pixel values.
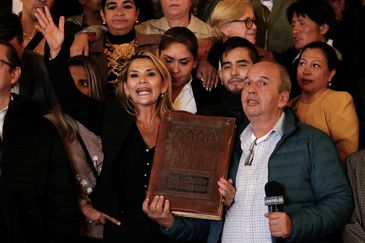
(159, 211)
(95, 216)
(52, 34)
(227, 190)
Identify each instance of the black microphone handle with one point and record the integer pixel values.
(274, 208)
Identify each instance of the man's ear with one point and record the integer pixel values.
(220, 75)
(15, 74)
(284, 99)
(323, 29)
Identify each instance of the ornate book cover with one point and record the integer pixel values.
(192, 153)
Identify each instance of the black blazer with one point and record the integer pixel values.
(36, 176)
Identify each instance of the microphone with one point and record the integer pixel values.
(274, 200)
(274, 196)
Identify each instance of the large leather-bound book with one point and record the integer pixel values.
(192, 153)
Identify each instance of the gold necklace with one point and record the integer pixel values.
(117, 55)
(28, 37)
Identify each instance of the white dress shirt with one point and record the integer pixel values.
(245, 220)
(185, 101)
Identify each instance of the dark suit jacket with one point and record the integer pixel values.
(35, 180)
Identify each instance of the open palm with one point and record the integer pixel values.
(52, 34)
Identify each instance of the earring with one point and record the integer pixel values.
(103, 22)
(162, 95)
(137, 22)
(329, 84)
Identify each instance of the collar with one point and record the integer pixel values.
(277, 130)
(121, 39)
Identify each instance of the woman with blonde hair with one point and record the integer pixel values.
(234, 18)
(128, 126)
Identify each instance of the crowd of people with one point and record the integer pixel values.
(82, 97)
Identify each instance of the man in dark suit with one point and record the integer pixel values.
(37, 198)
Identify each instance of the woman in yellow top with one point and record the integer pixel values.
(333, 112)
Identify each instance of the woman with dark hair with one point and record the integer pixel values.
(311, 20)
(178, 49)
(115, 46)
(333, 112)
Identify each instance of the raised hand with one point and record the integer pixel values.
(52, 34)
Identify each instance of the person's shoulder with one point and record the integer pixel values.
(153, 26)
(299, 130)
(77, 19)
(25, 114)
(336, 98)
(312, 134)
(147, 39)
(200, 28)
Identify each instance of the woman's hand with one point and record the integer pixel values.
(159, 211)
(80, 45)
(52, 34)
(227, 190)
(207, 74)
(95, 216)
(205, 44)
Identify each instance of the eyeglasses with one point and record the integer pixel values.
(248, 22)
(251, 153)
(2, 62)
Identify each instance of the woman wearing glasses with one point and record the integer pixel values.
(234, 18)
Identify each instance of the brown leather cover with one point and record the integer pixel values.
(192, 153)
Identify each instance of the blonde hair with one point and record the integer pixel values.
(226, 11)
(164, 102)
(65, 125)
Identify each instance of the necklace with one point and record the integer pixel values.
(28, 37)
(117, 55)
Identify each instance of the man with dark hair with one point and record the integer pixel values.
(37, 196)
(238, 55)
(311, 20)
